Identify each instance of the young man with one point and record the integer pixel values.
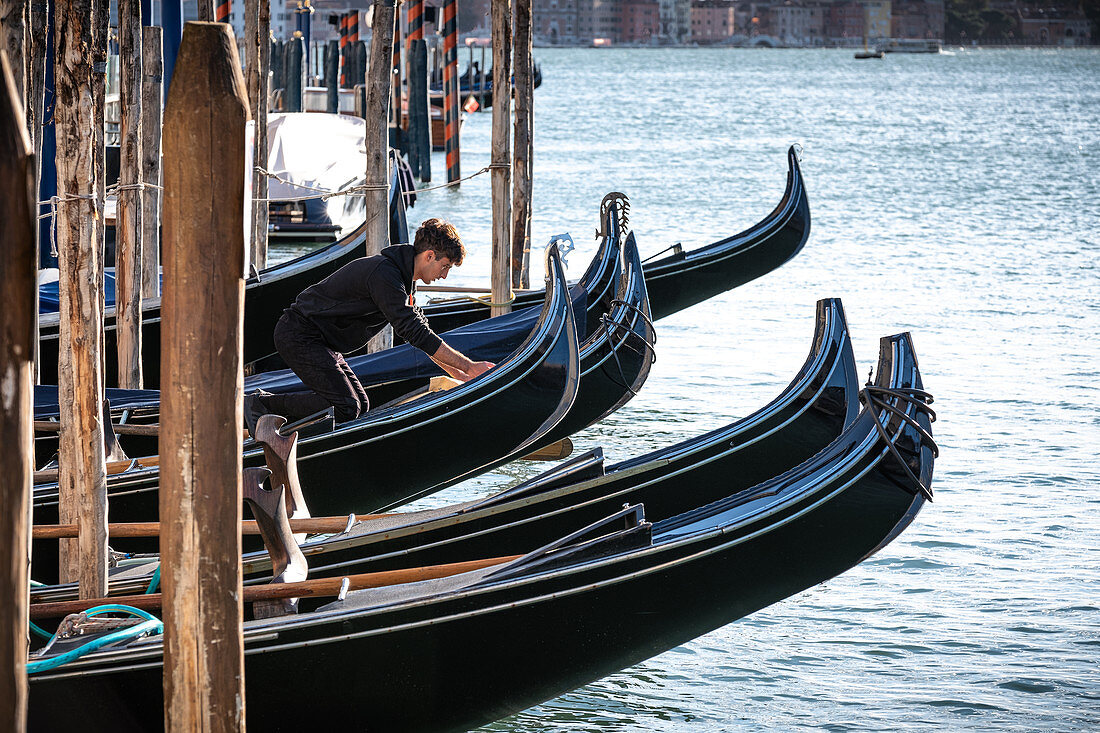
(343, 311)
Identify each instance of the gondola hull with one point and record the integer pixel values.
(460, 652)
(681, 280)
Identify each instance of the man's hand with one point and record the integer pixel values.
(478, 368)
(457, 365)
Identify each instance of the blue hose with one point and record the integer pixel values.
(155, 582)
(151, 624)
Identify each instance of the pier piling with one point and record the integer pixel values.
(201, 380)
(82, 462)
(524, 148)
(128, 222)
(257, 55)
(152, 116)
(376, 183)
(17, 333)
(501, 157)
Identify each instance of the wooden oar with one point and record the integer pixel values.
(151, 430)
(317, 588)
(113, 467)
(553, 452)
(53, 426)
(459, 289)
(309, 525)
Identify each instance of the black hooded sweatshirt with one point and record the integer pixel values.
(354, 303)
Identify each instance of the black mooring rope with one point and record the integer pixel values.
(917, 398)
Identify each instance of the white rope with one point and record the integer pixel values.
(53, 202)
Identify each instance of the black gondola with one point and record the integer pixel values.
(393, 455)
(455, 653)
(682, 279)
(395, 371)
(808, 415)
(267, 294)
(472, 84)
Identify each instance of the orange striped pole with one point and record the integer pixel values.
(221, 14)
(344, 50)
(353, 38)
(450, 89)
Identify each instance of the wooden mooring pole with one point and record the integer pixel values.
(451, 119)
(37, 41)
(257, 62)
(201, 382)
(13, 37)
(524, 149)
(129, 227)
(101, 36)
(152, 99)
(17, 293)
(501, 158)
(376, 192)
(82, 474)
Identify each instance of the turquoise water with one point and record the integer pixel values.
(955, 196)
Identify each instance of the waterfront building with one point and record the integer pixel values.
(640, 22)
(1058, 24)
(796, 24)
(712, 21)
(917, 19)
(555, 21)
(844, 22)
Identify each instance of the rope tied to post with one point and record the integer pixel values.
(52, 202)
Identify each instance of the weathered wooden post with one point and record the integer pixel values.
(205, 9)
(37, 43)
(101, 38)
(450, 90)
(222, 10)
(152, 99)
(376, 185)
(13, 27)
(128, 227)
(257, 60)
(501, 164)
(201, 383)
(17, 293)
(524, 149)
(82, 473)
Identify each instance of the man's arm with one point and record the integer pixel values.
(457, 365)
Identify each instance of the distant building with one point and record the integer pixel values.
(598, 19)
(640, 22)
(844, 21)
(555, 21)
(1062, 24)
(675, 21)
(712, 21)
(919, 19)
(877, 18)
(797, 24)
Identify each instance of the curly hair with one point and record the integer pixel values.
(441, 237)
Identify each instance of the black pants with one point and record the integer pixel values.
(330, 380)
